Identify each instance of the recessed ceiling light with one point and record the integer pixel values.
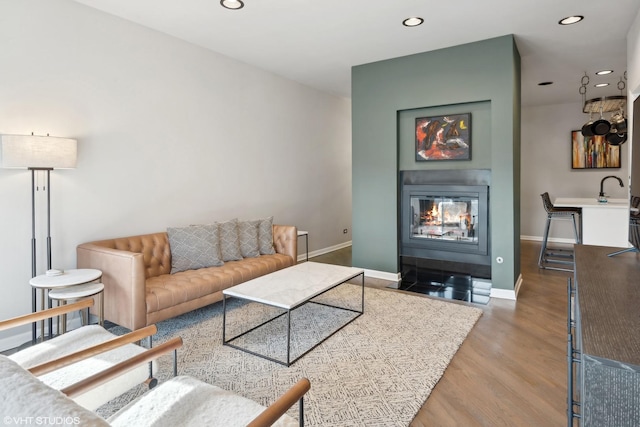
(545, 83)
(603, 72)
(232, 4)
(571, 20)
(601, 85)
(412, 22)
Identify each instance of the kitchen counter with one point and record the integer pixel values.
(606, 332)
(603, 224)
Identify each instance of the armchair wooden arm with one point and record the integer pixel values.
(121, 368)
(45, 314)
(61, 362)
(280, 406)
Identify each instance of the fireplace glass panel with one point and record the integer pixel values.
(444, 218)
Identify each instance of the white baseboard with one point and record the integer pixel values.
(503, 294)
(395, 277)
(303, 257)
(550, 239)
(518, 284)
(384, 275)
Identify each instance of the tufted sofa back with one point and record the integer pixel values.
(131, 265)
(155, 250)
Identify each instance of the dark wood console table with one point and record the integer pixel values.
(606, 338)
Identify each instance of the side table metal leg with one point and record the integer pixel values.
(288, 337)
(49, 305)
(224, 318)
(42, 332)
(83, 317)
(101, 296)
(362, 274)
(34, 308)
(175, 362)
(64, 319)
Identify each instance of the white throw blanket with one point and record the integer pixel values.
(25, 400)
(79, 339)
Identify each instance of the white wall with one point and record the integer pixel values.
(169, 134)
(546, 166)
(546, 154)
(633, 57)
(633, 84)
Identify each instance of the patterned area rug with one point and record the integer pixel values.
(376, 371)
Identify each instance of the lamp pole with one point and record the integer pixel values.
(34, 264)
(33, 252)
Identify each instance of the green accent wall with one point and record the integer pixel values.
(482, 78)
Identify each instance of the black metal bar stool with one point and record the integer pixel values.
(556, 255)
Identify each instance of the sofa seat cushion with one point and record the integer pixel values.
(186, 401)
(169, 290)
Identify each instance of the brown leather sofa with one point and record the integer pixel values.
(139, 289)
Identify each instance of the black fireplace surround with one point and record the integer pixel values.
(444, 215)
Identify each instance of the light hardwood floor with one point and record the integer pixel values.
(511, 369)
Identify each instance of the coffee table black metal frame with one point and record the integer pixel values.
(289, 362)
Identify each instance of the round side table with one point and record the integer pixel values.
(62, 295)
(68, 278)
(306, 236)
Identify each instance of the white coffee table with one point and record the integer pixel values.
(289, 289)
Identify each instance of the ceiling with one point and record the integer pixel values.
(316, 42)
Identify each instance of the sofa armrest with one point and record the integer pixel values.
(285, 240)
(123, 275)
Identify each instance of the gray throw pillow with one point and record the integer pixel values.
(194, 247)
(229, 240)
(265, 236)
(248, 234)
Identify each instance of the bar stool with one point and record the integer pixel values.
(558, 256)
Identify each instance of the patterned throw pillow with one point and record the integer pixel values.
(248, 234)
(194, 247)
(265, 236)
(229, 240)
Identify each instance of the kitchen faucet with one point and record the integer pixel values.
(601, 196)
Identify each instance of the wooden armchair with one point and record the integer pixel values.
(180, 401)
(80, 353)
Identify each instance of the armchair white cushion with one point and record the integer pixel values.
(79, 339)
(25, 397)
(181, 401)
(187, 402)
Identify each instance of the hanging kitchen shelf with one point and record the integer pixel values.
(608, 104)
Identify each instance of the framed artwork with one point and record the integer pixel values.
(593, 152)
(443, 137)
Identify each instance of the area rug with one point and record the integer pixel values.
(376, 371)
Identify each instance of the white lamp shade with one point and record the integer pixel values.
(38, 152)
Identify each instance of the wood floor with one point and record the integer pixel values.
(511, 369)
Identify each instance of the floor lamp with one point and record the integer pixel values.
(38, 154)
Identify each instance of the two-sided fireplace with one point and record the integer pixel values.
(445, 222)
(443, 233)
